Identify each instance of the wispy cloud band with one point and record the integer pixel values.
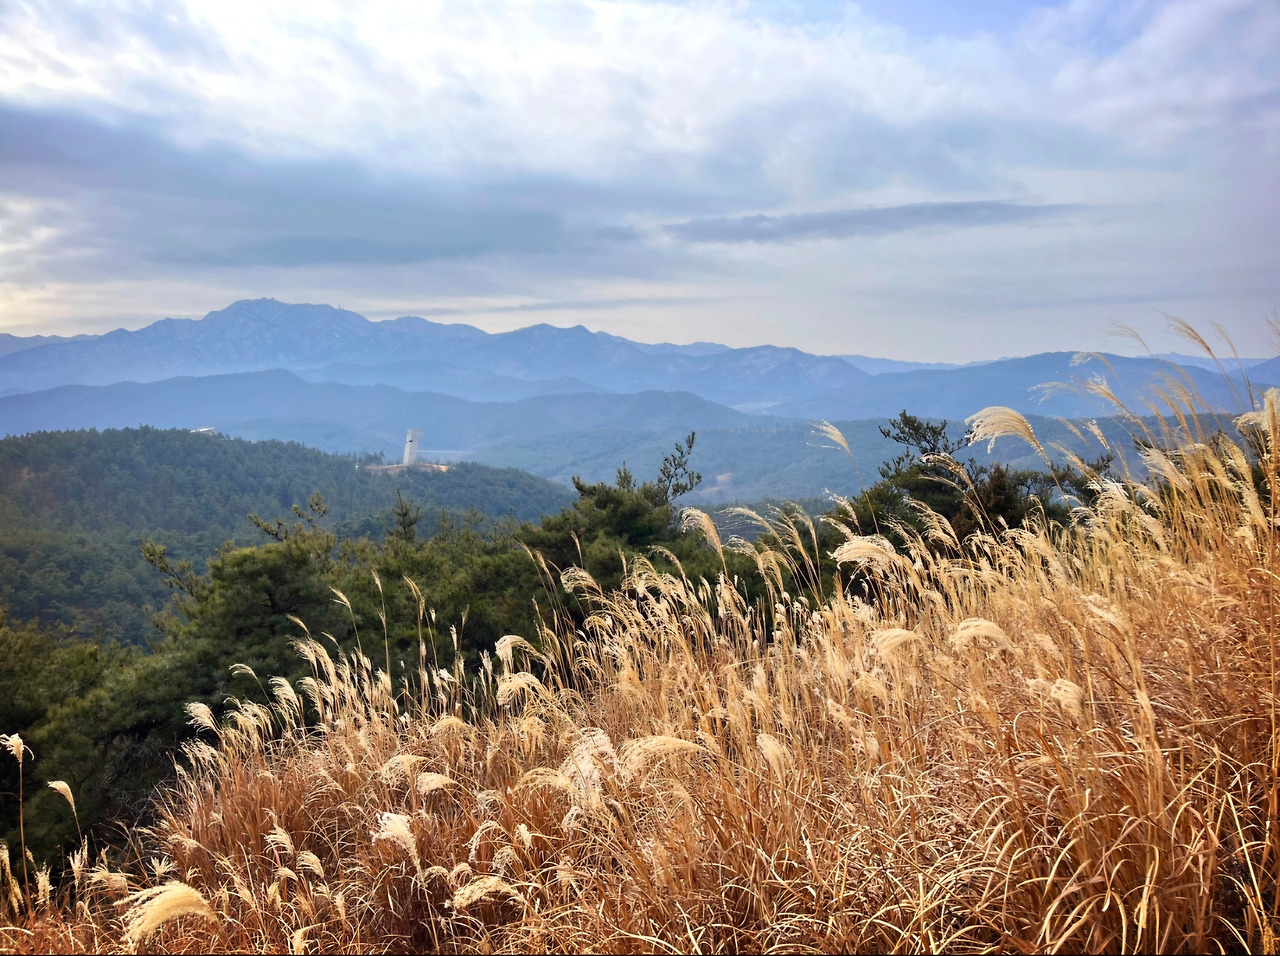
(871, 221)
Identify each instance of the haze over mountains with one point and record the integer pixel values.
(556, 401)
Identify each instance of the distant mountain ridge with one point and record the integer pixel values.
(1268, 371)
(1051, 383)
(320, 343)
(268, 404)
(17, 343)
(557, 401)
(246, 336)
(264, 334)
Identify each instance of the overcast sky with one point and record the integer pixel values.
(933, 180)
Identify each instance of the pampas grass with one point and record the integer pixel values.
(1051, 739)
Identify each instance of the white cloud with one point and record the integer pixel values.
(538, 127)
(548, 84)
(589, 87)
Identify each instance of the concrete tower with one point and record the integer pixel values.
(411, 445)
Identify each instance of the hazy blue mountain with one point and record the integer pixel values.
(1229, 362)
(351, 418)
(878, 366)
(325, 342)
(246, 336)
(320, 345)
(17, 343)
(735, 377)
(1268, 371)
(446, 379)
(665, 348)
(1018, 383)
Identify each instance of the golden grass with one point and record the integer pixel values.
(1064, 740)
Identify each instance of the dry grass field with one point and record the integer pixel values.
(1051, 740)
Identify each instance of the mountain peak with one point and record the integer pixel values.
(286, 314)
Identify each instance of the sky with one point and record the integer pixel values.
(934, 181)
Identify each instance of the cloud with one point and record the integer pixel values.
(589, 87)
(597, 151)
(584, 305)
(138, 201)
(844, 223)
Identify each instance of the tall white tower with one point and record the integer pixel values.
(411, 445)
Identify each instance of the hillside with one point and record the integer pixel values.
(74, 506)
(781, 459)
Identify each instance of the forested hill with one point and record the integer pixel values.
(75, 506)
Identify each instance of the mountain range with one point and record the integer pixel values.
(558, 401)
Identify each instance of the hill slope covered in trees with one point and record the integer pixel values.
(76, 505)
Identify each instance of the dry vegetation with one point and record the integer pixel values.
(1059, 740)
